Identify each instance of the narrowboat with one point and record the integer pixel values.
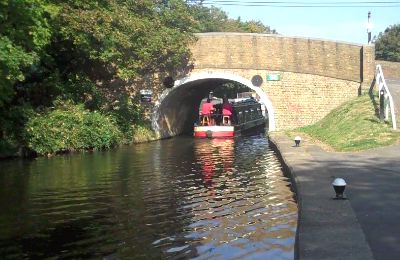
(247, 114)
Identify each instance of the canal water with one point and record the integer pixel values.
(179, 198)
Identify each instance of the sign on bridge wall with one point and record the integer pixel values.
(146, 95)
(273, 77)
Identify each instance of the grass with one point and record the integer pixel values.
(353, 126)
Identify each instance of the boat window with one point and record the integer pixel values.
(240, 117)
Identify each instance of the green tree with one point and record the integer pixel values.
(110, 44)
(387, 44)
(24, 32)
(256, 27)
(208, 19)
(230, 90)
(24, 36)
(213, 19)
(126, 39)
(102, 46)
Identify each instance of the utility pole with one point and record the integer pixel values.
(369, 27)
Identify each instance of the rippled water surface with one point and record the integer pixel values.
(172, 199)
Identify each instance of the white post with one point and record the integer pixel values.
(380, 80)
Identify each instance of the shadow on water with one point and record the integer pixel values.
(177, 198)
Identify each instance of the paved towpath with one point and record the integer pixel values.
(394, 88)
(367, 224)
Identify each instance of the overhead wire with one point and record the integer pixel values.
(304, 4)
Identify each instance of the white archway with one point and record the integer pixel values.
(217, 75)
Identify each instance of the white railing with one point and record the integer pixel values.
(384, 90)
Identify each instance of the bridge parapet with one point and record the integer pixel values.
(273, 52)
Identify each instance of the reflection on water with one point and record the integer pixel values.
(177, 198)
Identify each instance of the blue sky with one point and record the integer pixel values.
(333, 23)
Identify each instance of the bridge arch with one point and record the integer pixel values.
(264, 99)
(303, 78)
(176, 110)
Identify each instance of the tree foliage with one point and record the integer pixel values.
(213, 19)
(387, 44)
(127, 38)
(24, 32)
(230, 90)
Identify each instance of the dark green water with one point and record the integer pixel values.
(172, 199)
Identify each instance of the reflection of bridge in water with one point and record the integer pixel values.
(244, 208)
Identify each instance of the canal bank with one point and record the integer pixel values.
(364, 226)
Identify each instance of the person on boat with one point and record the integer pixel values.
(227, 111)
(206, 111)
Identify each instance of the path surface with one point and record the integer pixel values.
(366, 225)
(394, 88)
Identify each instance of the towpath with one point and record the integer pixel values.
(366, 225)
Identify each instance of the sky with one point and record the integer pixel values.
(347, 24)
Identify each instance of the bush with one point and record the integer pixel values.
(70, 127)
(143, 133)
(12, 123)
(127, 113)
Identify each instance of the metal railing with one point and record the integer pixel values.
(385, 96)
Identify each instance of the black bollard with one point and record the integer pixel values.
(382, 105)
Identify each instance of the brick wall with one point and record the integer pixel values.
(262, 51)
(367, 67)
(391, 70)
(303, 99)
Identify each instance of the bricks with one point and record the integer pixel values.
(300, 55)
(316, 75)
(391, 70)
(302, 99)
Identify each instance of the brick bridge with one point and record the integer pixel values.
(311, 77)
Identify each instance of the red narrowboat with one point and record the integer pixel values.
(247, 114)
